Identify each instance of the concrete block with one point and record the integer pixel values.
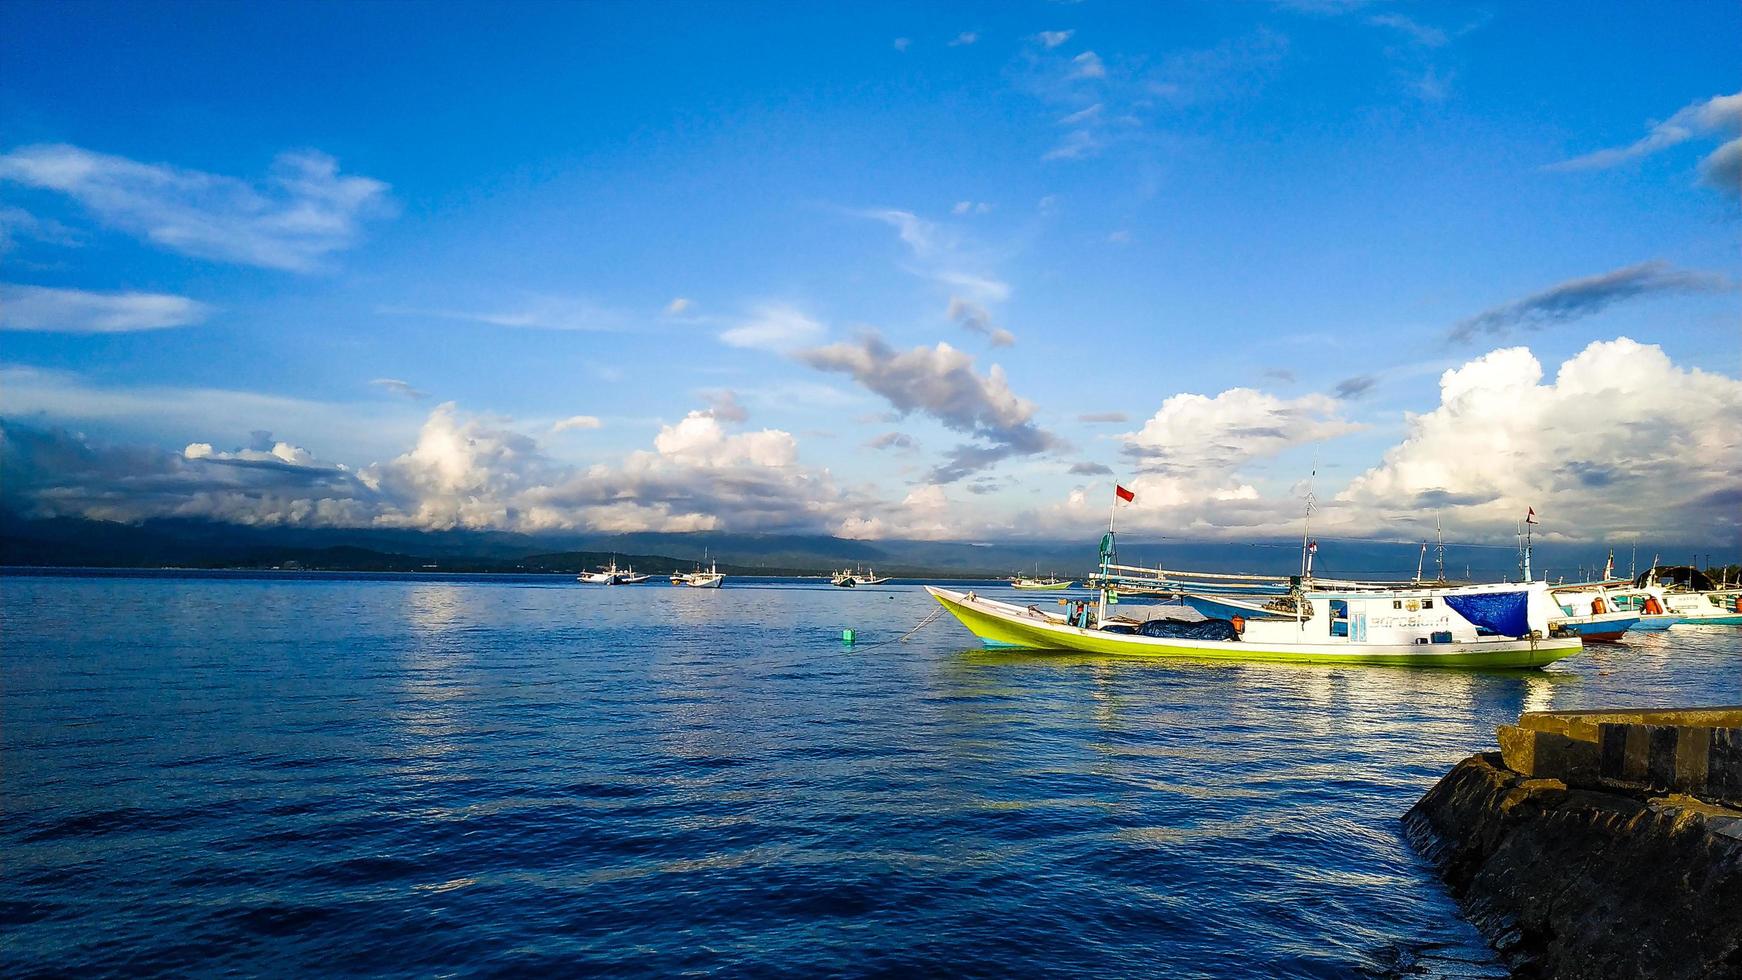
(1540, 754)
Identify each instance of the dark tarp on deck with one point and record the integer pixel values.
(1506, 613)
(1686, 576)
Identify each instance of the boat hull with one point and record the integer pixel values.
(1042, 586)
(1001, 624)
(1723, 619)
(1603, 628)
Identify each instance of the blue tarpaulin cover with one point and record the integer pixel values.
(1505, 613)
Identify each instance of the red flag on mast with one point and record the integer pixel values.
(1530, 518)
(1123, 494)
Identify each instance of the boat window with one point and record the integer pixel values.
(1427, 603)
(1339, 617)
(1397, 603)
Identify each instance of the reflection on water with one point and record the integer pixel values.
(389, 775)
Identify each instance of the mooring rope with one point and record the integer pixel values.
(935, 613)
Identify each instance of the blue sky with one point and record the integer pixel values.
(725, 242)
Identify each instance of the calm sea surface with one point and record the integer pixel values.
(395, 775)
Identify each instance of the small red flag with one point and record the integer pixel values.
(1530, 518)
(1123, 494)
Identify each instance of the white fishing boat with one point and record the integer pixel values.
(607, 575)
(844, 579)
(868, 577)
(706, 578)
(629, 577)
(1499, 626)
(1688, 595)
(1593, 612)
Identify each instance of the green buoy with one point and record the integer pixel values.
(848, 636)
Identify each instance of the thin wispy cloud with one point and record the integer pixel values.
(577, 423)
(1099, 418)
(539, 313)
(678, 306)
(18, 225)
(399, 387)
(302, 213)
(38, 308)
(775, 327)
(1579, 298)
(1719, 114)
(1358, 386)
(1091, 469)
(1052, 39)
(1425, 35)
(964, 39)
(1088, 65)
(902, 43)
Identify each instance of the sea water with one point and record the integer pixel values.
(281, 773)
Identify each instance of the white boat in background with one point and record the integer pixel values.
(628, 577)
(705, 578)
(844, 579)
(868, 577)
(609, 575)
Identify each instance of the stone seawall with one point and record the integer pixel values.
(1599, 844)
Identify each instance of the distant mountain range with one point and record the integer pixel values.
(166, 543)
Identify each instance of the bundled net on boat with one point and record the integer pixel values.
(1178, 629)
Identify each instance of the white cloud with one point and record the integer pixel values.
(923, 515)
(576, 423)
(1622, 440)
(1052, 39)
(77, 311)
(678, 307)
(963, 39)
(1207, 439)
(1082, 116)
(303, 212)
(970, 207)
(700, 440)
(775, 327)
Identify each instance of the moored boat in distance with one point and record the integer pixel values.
(1592, 613)
(1048, 584)
(868, 577)
(843, 580)
(609, 575)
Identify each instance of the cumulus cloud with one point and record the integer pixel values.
(577, 423)
(53, 472)
(399, 387)
(78, 311)
(1194, 433)
(1621, 440)
(1587, 296)
(775, 327)
(1052, 39)
(923, 515)
(303, 212)
(1721, 113)
(974, 317)
(941, 382)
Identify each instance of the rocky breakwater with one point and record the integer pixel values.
(1599, 843)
